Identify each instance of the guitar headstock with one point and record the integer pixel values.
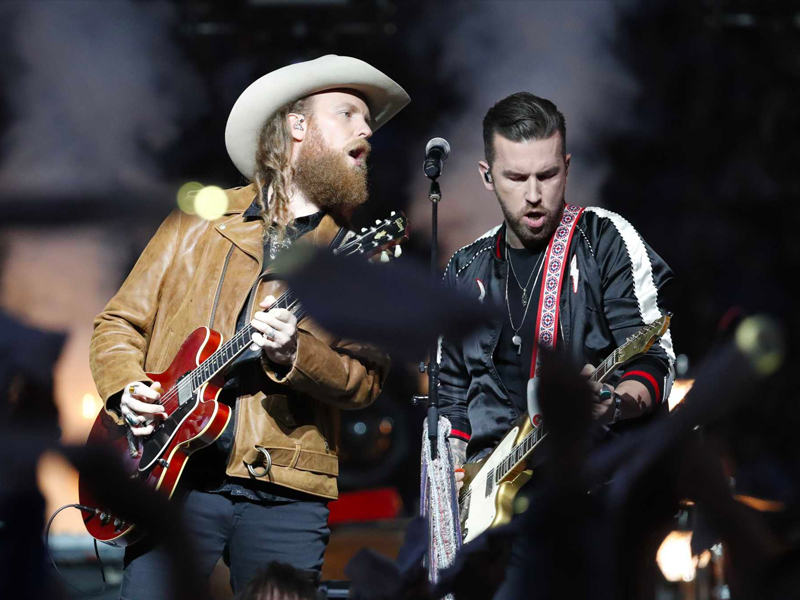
(374, 240)
(640, 342)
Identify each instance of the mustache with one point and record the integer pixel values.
(362, 146)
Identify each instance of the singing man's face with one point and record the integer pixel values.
(342, 120)
(529, 179)
(331, 166)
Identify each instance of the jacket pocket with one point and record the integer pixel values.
(278, 408)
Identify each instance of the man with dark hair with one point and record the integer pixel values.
(279, 581)
(579, 280)
(299, 135)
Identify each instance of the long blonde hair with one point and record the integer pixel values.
(273, 168)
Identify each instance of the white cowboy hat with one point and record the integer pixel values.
(272, 91)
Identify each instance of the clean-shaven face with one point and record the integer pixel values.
(529, 179)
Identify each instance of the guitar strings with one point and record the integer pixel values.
(248, 330)
(244, 332)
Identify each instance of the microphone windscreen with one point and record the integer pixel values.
(441, 143)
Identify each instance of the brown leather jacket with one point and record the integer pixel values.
(194, 271)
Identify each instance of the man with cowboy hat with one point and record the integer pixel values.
(260, 493)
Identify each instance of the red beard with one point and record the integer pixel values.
(328, 178)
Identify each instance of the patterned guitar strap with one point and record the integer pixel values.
(546, 332)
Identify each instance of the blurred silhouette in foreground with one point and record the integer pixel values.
(28, 429)
(28, 418)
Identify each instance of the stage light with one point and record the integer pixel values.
(760, 338)
(186, 196)
(680, 387)
(386, 426)
(210, 203)
(91, 406)
(674, 557)
(521, 504)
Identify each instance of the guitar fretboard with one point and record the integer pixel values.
(605, 368)
(238, 344)
(519, 452)
(370, 242)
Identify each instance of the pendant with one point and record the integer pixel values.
(524, 297)
(518, 343)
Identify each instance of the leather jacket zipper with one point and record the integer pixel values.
(219, 288)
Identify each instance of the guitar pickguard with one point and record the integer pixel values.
(478, 506)
(154, 447)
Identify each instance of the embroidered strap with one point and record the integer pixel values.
(546, 331)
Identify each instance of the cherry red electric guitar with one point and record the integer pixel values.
(195, 418)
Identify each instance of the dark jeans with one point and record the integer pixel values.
(248, 535)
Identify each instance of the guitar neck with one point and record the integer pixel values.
(228, 352)
(606, 368)
(392, 231)
(521, 451)
(635, 345)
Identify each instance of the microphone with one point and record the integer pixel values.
(436, 152)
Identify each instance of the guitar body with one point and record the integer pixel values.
(195, 420)
(487, 499)
(192, 384)
(485, 503)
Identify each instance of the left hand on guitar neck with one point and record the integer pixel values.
(278, 333)
(634, 395)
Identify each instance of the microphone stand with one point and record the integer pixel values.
(434, 195)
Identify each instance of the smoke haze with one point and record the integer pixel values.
(101, 86)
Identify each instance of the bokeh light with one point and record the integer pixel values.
(210, 203)
(680, 387)
(91, 406)
(186, 196)
(674, 557)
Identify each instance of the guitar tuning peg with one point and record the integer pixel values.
(363, 229)
(397, 251)
(391, 214)
(377, 221)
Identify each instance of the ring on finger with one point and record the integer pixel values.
(131, 420)
(270, 333)
(132, 389)
(605, 393)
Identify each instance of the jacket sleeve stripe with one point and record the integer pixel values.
(643, 283)
(460, 434)
(652, 380)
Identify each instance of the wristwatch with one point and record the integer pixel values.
(617, 409)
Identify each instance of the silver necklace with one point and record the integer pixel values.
(524, 290)
(516, 339)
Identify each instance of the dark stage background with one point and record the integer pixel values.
(681, 116)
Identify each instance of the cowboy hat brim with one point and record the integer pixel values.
(274, 90)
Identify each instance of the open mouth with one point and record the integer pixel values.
(357, 154)
(534, 220)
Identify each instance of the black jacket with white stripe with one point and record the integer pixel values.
(612, 286)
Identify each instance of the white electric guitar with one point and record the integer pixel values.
(490, 485)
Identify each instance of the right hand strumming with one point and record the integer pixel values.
(139, 406)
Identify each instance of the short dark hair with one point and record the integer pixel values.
(520, 117)
(280, 578)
